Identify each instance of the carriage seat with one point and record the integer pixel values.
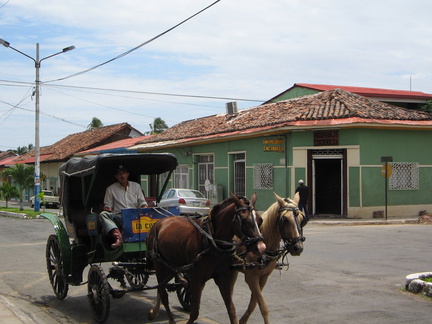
(85, 221)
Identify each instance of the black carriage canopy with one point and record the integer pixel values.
(84, 180)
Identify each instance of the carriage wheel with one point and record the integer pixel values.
(183, 294)
(55, 265)
(98, 293)
(137, 280)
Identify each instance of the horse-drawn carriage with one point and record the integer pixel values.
(79, 241)
(183, 252)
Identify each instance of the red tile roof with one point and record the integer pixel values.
(370, 92)
(71, 144)
(334, 107)
(114, 145)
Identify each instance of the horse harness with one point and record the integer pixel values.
(269, 256)
(211, 244)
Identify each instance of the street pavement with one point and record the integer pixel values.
(13, 311)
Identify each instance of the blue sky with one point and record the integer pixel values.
(242, 49)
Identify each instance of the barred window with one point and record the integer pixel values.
(263, 176)
(405, 176)
(181, 176)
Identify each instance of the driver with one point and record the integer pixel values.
(120, 195)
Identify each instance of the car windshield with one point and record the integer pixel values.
(190, 194)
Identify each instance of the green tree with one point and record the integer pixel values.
(23, 178)
(158, 126)
(7, 192)
(24, 149)
(95, 123)
(427, 107)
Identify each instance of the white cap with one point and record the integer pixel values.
(301, 181)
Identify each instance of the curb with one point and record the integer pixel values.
(415, 283)
(16, 215)
(10, 311)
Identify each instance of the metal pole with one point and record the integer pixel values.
(37, 90)
(37, 145)
(386, 166)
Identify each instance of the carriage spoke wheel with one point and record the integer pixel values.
(183, 294)
(55, 268)
(98, 293)
(137, 280)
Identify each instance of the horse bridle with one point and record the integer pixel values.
(247, 241)
(289, 242)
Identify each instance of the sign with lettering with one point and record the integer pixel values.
(326, 137)
(274, 145)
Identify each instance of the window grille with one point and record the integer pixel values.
(328, 152)
(240, 174)
(205, 172)
(181, 176)
(405, 176)
(263, 176)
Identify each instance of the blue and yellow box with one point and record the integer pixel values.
(137, 222)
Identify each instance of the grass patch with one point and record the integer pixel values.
(427, 279)
(29, 212)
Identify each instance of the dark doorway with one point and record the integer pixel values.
(328, 186)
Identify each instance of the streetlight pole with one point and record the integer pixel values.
(37, 62)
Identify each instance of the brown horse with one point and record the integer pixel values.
(281, 221)
(201, 250)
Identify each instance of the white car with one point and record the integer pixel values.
(49, 199)
(189, 201)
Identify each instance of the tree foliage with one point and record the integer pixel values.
(95, 123)
(158, 126)
(427, 107)
(24, 149)
(8, 191)
(22, 176)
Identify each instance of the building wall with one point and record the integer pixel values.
(365, 192)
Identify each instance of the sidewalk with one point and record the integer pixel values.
(364, 221)
(12, 314)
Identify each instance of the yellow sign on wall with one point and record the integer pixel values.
(389, 170)
(274, 145)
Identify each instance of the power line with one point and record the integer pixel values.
(136, 91)
(157, 93)
(43, 113)
(137, 47)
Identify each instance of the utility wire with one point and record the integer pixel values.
(137, 47)
(155, 93)
(131, 91)
(42, 113)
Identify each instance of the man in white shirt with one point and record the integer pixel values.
(120, 195)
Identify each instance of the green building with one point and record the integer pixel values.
(338, 142)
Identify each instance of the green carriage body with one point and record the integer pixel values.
(84, 181)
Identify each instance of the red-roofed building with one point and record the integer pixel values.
(401, 98)
(51, 157)
(334, 140)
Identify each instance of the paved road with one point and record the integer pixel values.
(346, 274)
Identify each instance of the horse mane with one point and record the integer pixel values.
(224, 203)
(269, 227)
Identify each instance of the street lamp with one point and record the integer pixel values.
(37, 62)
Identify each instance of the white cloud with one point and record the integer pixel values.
(243, 49)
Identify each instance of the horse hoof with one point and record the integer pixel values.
(151, 315)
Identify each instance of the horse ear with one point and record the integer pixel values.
(254, 198)
(297, 198)
(236, 200)
(279, 199)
